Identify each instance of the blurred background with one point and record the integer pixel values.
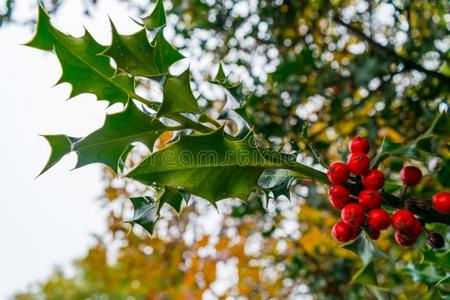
(376, 68)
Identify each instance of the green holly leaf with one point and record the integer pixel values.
(177, 96)
(145, 213)
(210, 166)
(173, 197)
(243, 127)
(60, 146)
(440, 126)
(235, 108)
(220, 77)
(436, 258)
(444, 174)
(235, 97)
(278, 181)
(157, 18)
(426, 273)
(365, 249)
(366, 275)
(43, 38)
(389, 148)
(378, 292)
(312, 148)
(82, 67)
(420, 147)
(108, 144)
(121, 165)
(135, 55)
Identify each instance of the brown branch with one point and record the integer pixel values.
(428, 214)
(408, 63)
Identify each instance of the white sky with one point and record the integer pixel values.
(45, 222)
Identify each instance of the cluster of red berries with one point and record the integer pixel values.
(364, 210)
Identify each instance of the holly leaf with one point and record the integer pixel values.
(278, 181)
(135, 55)
(378, 292)
(145, 213)
(157, 18)
(210, 166)
(420, 147)
(121, 165)
(82, 67)
(312, 148)
(444, 174)
(108, 144)
(426, 273)
(173, 197)
(389, 148)
(235, 107)
(220, 76)
(60, 146)
(234, 95)
(440, 128)
(436, 258)
(440, 125)
(177, 96)
(366, 275)
(236, 115)
(365, 249)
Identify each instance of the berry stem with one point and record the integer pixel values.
(403, 193)
(353, 197)
(429, 216)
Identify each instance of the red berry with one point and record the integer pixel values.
(404, 240)
(358, 163)
(336, 89)
(378, 219)
(353, 214)
(441, 202)
(359, 145)
(403, 220)
(373, 180)
(338, 196)
(343, 232)
(336, 204)
(370, 199)
(338, 173)
(374, 234)
(415, 230)
(410, 175)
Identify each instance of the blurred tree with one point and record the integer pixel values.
(253, 251)
(379, 68)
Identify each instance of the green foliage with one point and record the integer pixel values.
(211, 166)
(135, 55)
(174, 197)
(178, 97)
(108, 144)
(60, 146)
(365, 249)
(83, 67)
(277, 181)
(145, 213)
(232, 157)
(157, 18)
(421, 147)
